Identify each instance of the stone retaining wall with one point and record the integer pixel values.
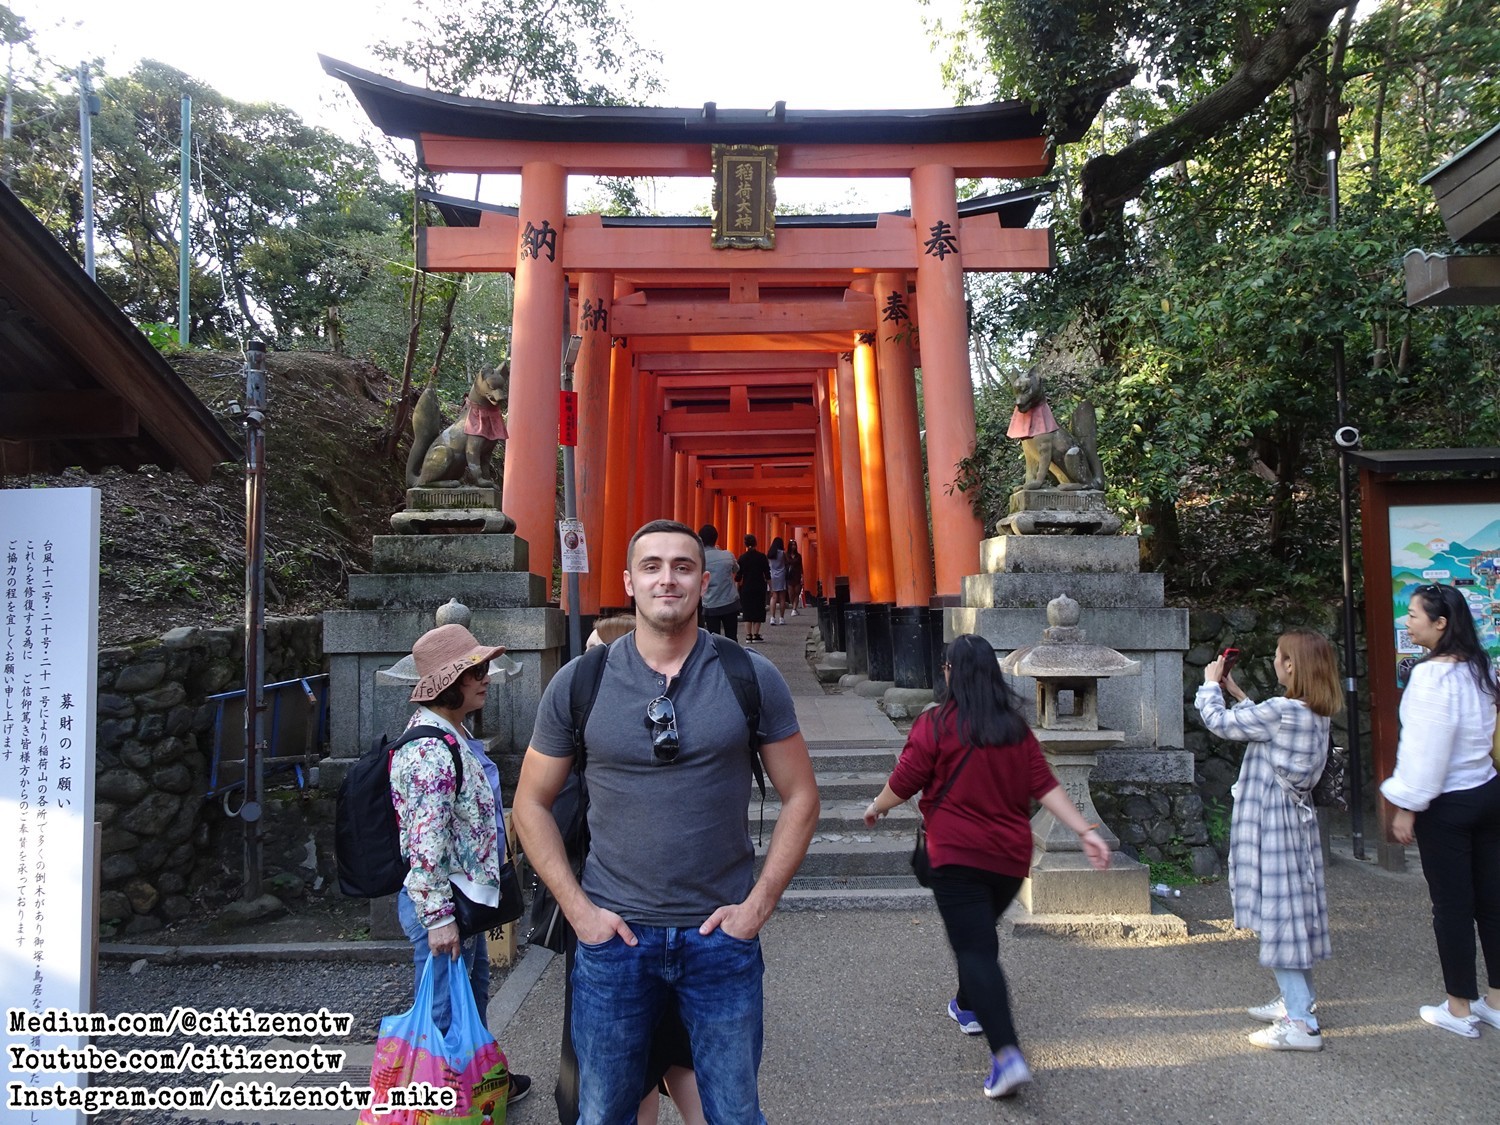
(161, 839)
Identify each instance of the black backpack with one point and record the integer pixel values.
(366, 834)
(549, 928)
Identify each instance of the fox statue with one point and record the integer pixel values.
(460, 452)
(1050, 450)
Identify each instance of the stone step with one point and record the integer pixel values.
(852, 785)
(847, 855)
(845, 816)
(846, 759)
(877, 896)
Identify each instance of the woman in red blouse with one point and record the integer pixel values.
(978, 768)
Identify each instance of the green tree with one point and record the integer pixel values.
(1198, 312)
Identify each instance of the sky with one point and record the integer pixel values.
(813, 54)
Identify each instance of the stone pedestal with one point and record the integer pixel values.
(449, 509)
(1056, 511)
(1122, 609)
(392, 607)
(1062, 881)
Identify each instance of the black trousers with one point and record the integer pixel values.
(1458, 836)
(971, 901)
(719, 621)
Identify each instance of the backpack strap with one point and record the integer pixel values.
(414, 734)
(582, 692)
(741, 675)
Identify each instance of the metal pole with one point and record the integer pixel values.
(1345, 439)
(88, 105)
(570, 504)
(182, 249)
(255, 609)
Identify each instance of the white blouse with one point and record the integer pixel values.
(1447, 725)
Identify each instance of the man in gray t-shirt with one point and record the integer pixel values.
(669, 906)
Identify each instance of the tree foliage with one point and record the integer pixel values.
(1203, 327)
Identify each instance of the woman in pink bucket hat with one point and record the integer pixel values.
(452, 834)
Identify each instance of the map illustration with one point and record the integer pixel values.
(1452, 544)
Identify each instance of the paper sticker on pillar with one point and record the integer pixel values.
(575, 549)
(567, 418)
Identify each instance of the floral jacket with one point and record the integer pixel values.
(443, 834)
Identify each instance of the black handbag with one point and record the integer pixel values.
(921, 866)
(476, 917)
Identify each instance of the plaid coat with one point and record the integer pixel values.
(1275, 858)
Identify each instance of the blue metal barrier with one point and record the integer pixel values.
(296, 732)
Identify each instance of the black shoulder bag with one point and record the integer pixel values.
(921, 867)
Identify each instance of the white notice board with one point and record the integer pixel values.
(49, 613)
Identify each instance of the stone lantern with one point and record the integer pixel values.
(1067, 671)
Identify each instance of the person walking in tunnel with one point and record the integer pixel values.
(755, 584)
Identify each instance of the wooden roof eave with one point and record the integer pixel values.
(78, 332)
(403, 110)
(1451, 279)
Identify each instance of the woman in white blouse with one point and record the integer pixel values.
(1447, 798)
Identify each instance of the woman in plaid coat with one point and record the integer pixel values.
(1275, 856)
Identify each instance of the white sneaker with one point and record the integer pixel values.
(794, 613)
(1482, 1011)
(1439, 1016)
(1275, 1010)
(1284, 1035)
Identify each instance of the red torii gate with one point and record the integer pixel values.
(769, 391)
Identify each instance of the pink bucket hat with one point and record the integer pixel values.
(442, 655)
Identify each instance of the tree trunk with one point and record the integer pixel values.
(1111, 180)
(416, 302)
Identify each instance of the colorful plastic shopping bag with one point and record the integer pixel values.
(476, 1068)
(467, 1060)
(407, 1052)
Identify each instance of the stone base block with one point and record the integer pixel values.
(452, 521)
(1154, 767)
(851, 680)
(1157, 926)
(506, 590)
(1060, 554)
(1034, 591)
(873, 689)
(1053, 522)
(905, 703)
(384, 925)
(1066, 884)
(443, 554)
(832, 668)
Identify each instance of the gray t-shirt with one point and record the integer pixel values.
(721, 588)
(670, 843)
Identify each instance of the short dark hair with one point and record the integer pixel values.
(749, 540)
(453, 695)
(709, 534)
(665, 527)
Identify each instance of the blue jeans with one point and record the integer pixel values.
(1297, 993)
(619, 992)
(472, 950)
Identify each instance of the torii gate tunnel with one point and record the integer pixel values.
(772, 390)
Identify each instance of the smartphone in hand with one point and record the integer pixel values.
(1231, 657)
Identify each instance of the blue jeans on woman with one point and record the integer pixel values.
(472, 950)
(619, 992)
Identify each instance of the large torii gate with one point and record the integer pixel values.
(764, 390)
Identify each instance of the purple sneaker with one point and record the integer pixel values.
(967, 1023)
(1008, 1074)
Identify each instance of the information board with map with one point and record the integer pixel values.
(1454, 545)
